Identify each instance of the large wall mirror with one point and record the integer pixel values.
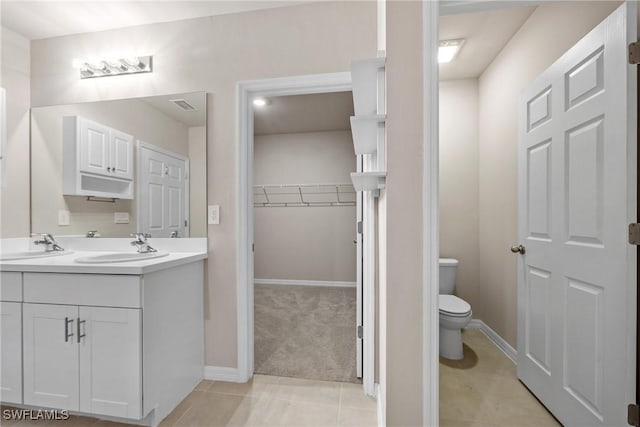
(112, 168)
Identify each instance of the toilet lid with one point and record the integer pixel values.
(453, 305)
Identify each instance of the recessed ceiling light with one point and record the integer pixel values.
(448, 49)
(259, 102)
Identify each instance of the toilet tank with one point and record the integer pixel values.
(448, 270)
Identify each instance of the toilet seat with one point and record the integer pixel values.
(451, 305)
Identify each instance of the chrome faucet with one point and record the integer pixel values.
(141, 244)
(92, 234)
(49, 242)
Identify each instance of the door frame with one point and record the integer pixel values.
(245, 92)
(140, 145)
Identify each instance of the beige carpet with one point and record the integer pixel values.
(305, 332)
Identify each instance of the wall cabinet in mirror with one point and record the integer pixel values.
(97, 159)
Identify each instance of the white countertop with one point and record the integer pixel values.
(66, 263)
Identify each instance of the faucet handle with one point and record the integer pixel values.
(140, 237)
(47, 238)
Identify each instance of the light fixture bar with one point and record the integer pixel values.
(116, 67)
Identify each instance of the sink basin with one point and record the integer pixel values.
(17, 256)
(119, 257)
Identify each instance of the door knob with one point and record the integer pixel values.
(518, 249)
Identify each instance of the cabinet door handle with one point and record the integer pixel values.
(80, 335)
(67, 334)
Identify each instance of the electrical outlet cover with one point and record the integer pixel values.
(121, 217)
(214, 215)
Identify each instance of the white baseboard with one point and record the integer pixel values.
(380, 406)
(304, 283)
(221, 373)
(495, 338)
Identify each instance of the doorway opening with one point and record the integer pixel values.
(531, 154)
(267, 88)
(306, 307)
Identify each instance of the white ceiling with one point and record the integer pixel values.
(44, 19)
(320, 112)
(486, 33)
(197, 117)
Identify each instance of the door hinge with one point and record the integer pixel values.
(185, 223)
(359, 227)
(634, 234)
(634, 53)
(633, 415)
(359, 331)
(253, 247)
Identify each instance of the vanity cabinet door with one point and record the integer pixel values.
(50, 356)
(94, 147)
(121, 154)
(111, 361)
(11, 352)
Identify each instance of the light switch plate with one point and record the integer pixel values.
(121, 217)
(63, 217)
(214, 215)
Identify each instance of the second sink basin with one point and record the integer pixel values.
(119, 257)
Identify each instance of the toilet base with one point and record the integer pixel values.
(451, 344)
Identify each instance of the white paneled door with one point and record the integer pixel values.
(163, 192)
(50, 356)
(11, 352)
(110, 361)
(577, 194)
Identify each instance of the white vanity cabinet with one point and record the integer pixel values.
(83, 359)
(97, 159)
(11, 333)
(82, 355)
(125, 346)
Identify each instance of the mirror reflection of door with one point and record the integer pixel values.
(163, 192)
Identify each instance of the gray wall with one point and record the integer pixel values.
(213, 54)
(459, 182)
(14, 77)
(403, 198)
(311, 243)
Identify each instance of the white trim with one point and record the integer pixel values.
(222, 373)
(246, 90)
(454, 7)
(287, 282)
(380, 406)
(430, 222)
(500, 342)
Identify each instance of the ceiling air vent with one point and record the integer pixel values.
(183, 104)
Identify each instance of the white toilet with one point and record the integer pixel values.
(455, 313)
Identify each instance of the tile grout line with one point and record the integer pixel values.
(339, 405)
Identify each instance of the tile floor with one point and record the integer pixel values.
(482, 390)
(265, 401)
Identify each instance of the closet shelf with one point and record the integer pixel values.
(364, 78)
(303, 195)
(368, 181)
(365, 130)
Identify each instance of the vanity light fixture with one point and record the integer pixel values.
(448, 49)
(114, 67)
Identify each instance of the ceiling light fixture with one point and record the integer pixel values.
(114, 67)
(259, 102)
(448, 49)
